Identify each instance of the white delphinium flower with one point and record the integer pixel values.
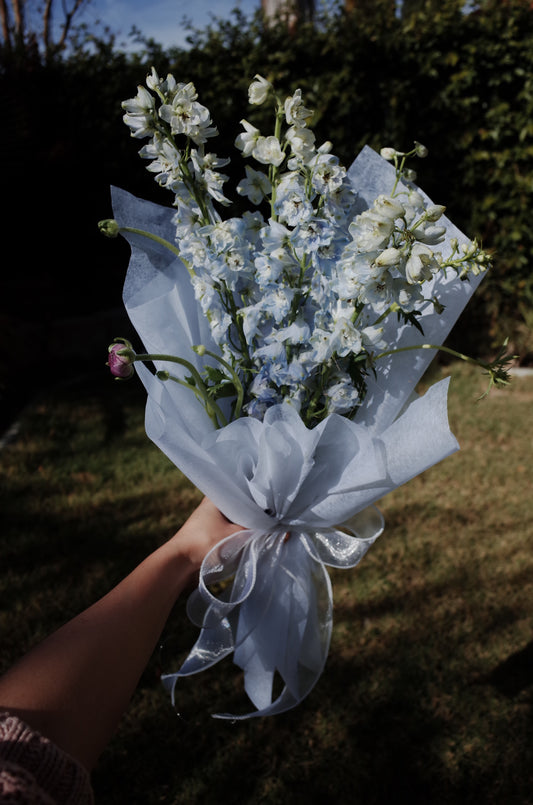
(295, 112)
(253, 223)
(204, 292)
(341, 396)
(223, 235)
(209, 161)
(345, 337)
(256, 186)
(237, 265)
(321, 346)
(186, 116)
(302, 144)
(286, 374)
(207, 176)
(291, 205)
(337, 208)
(220, 323)
(296, 334)
(421, 264)
(267, 270)
(422, 221)
(277, 301)
(407, 296)
(377, 292)
(258, 90)
(262, 393)
(372, 337)
(213, 183)
(195, 249)
(165, 162)
(349, 283)
(341, 337)
(317, 234)
(140, 114)
(370, 231)
(287, 257)
(166, 86)
(373, 228)
(268, 151)
(276, 236)
(327, 175)
(187, 218)
(247, 139)
(252, 318)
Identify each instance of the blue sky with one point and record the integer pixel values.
(161, 19)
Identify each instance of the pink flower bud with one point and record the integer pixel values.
(120, 361)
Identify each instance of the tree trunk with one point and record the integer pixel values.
(291, 12)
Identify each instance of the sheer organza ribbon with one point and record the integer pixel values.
(277, 612)
(277, 477)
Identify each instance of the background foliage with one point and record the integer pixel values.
(461, 83)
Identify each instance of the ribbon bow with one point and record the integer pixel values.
(277, 614)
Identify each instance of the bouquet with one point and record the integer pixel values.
(282, 350)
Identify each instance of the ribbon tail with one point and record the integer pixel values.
(291, 640)
(276, 620)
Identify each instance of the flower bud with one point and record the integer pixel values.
(120, 361)
(388, 153)
(388, 257)
(109, 227)
(434, 212)
(421, 150)
(199, 349)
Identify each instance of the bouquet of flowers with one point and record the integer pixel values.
(282, 350)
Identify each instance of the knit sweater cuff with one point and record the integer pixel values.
(31, 763)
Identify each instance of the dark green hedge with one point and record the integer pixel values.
(460, 83)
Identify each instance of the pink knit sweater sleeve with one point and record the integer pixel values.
(34, 770)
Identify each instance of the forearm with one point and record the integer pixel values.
(75, 685)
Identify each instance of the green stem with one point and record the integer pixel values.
(235, 378)
(162, 242)
(450, 351)
(273, 170)
(213, 410)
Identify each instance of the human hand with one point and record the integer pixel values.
(205, 527)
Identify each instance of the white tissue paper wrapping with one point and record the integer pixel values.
(290, 487)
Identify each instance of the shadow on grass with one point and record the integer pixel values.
(514, 674)
(380, 727)
(338, 746)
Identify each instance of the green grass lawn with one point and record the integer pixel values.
(427, 695)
